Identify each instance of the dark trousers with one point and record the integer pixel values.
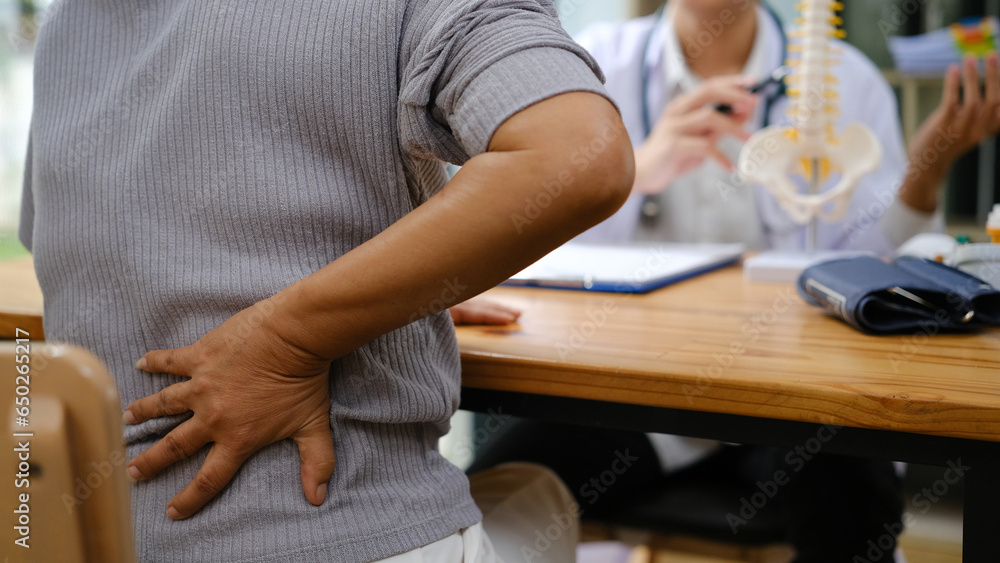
(832, 506)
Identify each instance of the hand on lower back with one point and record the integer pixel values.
(248, 387)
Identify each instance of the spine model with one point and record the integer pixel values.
(810, 147)
(814, 93)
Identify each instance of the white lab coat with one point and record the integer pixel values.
(696, 209)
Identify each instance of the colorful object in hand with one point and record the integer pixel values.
(975, 36)
(933, 52)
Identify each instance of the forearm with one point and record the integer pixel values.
(471, 236)
(962, 121)
(922, 184)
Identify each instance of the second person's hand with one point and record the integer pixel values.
(482, 311)
(966, 117)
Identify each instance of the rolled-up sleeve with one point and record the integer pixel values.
(469, 65)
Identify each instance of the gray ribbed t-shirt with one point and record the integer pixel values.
(191, 157)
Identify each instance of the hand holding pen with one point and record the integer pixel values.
(689, 129)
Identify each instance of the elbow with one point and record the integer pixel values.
(619, 177)
(577, 147)
(607, 180)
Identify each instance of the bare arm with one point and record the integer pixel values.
(274, 357)
(468, 236)
(957, 126)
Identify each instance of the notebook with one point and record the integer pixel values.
(625, 269)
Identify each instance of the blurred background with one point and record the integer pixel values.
(869, 23)
(18, 26)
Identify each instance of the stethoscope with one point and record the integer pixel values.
(651, 206)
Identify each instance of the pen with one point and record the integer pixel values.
(776, 77)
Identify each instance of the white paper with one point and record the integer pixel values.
(586, 265)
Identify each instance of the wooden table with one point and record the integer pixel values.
(20, 299)
(750, 363)
(717, 358)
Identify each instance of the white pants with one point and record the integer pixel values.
(528, 516)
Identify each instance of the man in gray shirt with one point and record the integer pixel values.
(249, 198)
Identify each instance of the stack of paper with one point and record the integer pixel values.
(934, 52)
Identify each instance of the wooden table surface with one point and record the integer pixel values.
(711, 344)
(718, 344)
(20, 299)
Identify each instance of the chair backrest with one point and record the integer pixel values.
(65, 493)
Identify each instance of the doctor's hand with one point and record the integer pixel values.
(690, 128)
(962, 121)
(248, 386)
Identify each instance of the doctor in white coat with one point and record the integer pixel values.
(666, 72)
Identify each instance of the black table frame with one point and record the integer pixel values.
(981, 503)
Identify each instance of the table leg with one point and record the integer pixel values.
(981, 520)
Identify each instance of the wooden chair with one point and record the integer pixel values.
(65, 491)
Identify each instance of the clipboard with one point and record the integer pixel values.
(625, 269)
